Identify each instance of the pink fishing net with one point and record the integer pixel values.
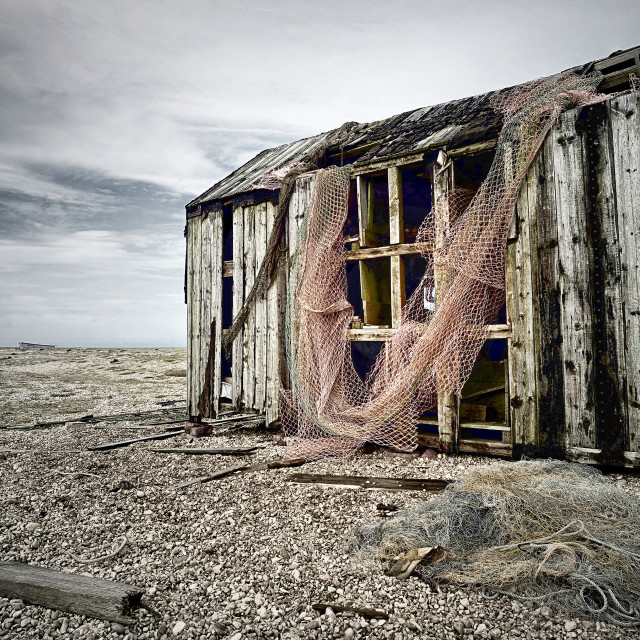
(329, 408)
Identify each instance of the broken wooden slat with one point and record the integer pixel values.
(365, 612)
(403, 249)
(125, 443)
(243, 468)
(365, 482)
(85, 596)
(224, 451)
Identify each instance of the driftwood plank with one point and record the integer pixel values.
(249, 341)
(241, 468)
(366, 482)
(125, 443)
(260, 309)
(86, 596)
(224, 451)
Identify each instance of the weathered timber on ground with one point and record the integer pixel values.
(93, 597)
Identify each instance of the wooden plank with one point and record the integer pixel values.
(189, 284)
(261, 309)
(216, 312)
(366, 482)
(448, 403)
(382, 165)
(631, 459)
(125, 443)
(221, 451)
(193, 372)
(79, 594)
(411, 248)
(607, 299)
(242, 468)
(238, 298)
(272, 342)
(576, 318)
(249, 338)
(396, 236)
(496, 332)
(362, 191)
(624, 113)
(207, 256)
(521, 293)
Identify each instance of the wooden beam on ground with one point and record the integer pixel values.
(223, 451)
(366, 482)
(125, 443)
(82, 595)
(241, 468)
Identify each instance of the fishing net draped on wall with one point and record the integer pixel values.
(547, 531)
(330, 409)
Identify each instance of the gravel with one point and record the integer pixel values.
(238, 558)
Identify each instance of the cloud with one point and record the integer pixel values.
(115, 114)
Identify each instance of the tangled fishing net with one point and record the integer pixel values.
(330, 409)
(546, 531)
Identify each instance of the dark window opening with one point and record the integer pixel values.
(414, 268)
(353, 288)
(364, 356)
(471, 171)
(351, 228)
(227, 302)
(226, 366)
(483, 395)
(227, 233)
(416, 200)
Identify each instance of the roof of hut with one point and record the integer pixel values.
(455, 124)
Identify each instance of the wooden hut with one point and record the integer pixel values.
(560, 374)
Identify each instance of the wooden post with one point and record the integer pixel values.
(396, 236)
(448, 402)
(238, 297)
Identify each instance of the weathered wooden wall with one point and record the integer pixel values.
(573, 290)
(258, 354)
(204, 313)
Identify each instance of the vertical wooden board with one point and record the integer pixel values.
(609, 363)
(194, 372)
(300, 201)
(272, 321)
(238, 297)
(625, 128)
(362, 192)
(396, 236)
(205, 315)
(521, 292)
(448, 402)
(216, 286)
(190, 252)
(261, 308)
(249, 339)
(575, 278)
(547, 335)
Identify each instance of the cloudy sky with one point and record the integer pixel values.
(114, 114)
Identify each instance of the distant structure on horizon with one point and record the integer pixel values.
(33, 345)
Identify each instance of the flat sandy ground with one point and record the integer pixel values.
(242, 557)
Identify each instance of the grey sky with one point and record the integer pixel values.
(114, 114)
